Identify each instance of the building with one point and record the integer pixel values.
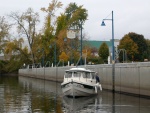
(97, 44)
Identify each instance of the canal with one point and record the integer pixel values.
(29, 95)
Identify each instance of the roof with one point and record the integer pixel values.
(97, 44)
(80, 69)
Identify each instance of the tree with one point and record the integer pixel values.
(4, 28)
(130, 46)
(142, 46)
(63, 57)
(50, 30)
(15, 50)
(26, 25)
(103, 51)
(4, 32)
(16, 55)
(76, 15)
(148, 50)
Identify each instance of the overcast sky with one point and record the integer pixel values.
(129, 15)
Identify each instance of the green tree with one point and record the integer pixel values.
(103, 52)
(75, 15)
(142, 46)
(130, 46)
(148, 50)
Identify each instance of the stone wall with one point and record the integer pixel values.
(131, 78)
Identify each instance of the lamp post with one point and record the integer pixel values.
(42, 50)
(71, 50)
(43, 57)
(71, 34)
(55, 52)
(54, 44)
(103, 24)
(81, 44)
(113, 61)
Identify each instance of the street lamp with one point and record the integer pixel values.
(103, 24)
(113, 61)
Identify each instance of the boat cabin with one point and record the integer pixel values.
(80, 74)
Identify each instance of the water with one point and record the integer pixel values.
(29, 95)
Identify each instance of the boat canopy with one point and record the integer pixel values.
(79, 73)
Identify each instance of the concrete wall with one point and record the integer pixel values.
(129, 77)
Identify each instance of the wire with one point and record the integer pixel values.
(108, 16)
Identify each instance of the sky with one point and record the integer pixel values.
(129, 15)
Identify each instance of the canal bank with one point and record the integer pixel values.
(130, 78)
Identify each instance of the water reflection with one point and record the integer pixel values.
(81, 105)
(29, 95)
(46, 94)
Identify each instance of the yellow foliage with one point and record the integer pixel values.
(63, 56)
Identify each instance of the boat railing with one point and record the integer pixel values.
(60, 61)
(78, 61)
(47, 64)
(38, 65)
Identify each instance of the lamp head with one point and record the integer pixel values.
(103, 23)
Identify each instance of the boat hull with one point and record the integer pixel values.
(75, 89)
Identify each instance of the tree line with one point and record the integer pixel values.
(136, 49)
(51, 44)
(41, 43)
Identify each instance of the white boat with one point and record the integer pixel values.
(80, 82)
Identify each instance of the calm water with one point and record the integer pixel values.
(29, 95)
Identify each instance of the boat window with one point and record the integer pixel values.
(93, 75)
(68, 74)
(77, 74)
(86, 75)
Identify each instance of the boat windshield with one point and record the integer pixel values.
(77, 74)
(68, 74)
(86, 75)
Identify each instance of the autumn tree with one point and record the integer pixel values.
(63, 57)
(142, 46)
(75, 17)
(26, 26)
(103, 52)
(5, 28)
(16, 54)
(4, 33)
(130, 46)
(50, 30)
